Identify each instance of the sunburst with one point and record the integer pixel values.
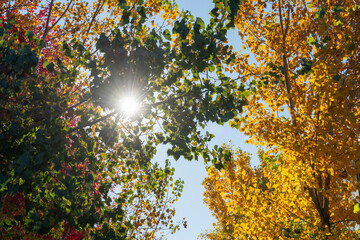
(129, 105)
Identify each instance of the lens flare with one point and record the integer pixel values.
(129, 105)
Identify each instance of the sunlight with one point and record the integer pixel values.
(129, 105)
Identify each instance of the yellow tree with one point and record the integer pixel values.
(259, 202)
(301, 67)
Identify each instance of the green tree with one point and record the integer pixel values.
(53, 181)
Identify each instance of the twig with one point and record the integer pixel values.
(48, 20)
(93, 122)
(62, 15)
(98, 8)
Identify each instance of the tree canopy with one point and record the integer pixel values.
(90, 90)
(302, 60)
(74, 165)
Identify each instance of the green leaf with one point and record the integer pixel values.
(211, 68)
(50, 67)
(338, 23)
(181, 28)
(125, 16)
(352, 47)
(199, 22)
(167, 34)
(337, 9)
(21, 181)
(214, 12)
(245, 94)
(219, 166)
(228, 116)
(68, 210)
(225, 92)
(320, 13)
(12, 21)
(230, 24)
(30, 35)
(336, 78)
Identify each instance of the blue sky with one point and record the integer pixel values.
(190, 205)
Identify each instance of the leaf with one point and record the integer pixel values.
(311, 40)
(199, 23)
(356, 207)
(352, 47)
(103, 43)
(336, 78)
(12, 21)
(167, 34)
(338, 23)
(50, 67)
(278, 121)
(30, 35)
(214, 12)
(181, 28)
(125, 18)
(228, 116)
(320, 13)
(65, 172)
(245, 94)
(211, 68)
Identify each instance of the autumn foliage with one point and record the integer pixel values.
(301, 64)
(73, 164)
(59, 181)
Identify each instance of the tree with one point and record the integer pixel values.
(54, 183)
(302, 111)
(219, 232)
(242, 198)
(74, 162)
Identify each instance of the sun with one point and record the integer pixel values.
(129, 105)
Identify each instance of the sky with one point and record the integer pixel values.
(191, 205)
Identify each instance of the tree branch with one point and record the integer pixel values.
(62, 15)
(78, 103)
(92, 123)
(98, 8)
(48, 20)
(285, 63)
